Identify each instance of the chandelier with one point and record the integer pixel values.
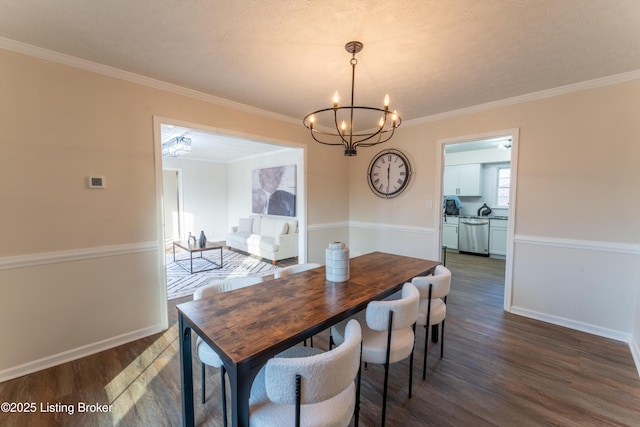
(335, 125)
(176, 146)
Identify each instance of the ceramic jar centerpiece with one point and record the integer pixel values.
(337, 262)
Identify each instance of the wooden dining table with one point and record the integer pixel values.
(248, 326)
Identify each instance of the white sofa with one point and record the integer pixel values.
(273, 238)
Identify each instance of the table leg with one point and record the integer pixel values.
(186, 373)
(240, 379)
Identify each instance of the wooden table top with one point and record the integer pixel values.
(191, 248)
(278, 313)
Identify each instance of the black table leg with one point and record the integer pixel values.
(186, 373)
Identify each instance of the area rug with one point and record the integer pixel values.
(181, 283)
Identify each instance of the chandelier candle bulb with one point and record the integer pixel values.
(337, 262)
(333, 128)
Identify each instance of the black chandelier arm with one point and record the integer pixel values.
(379, 141)
(313, 132)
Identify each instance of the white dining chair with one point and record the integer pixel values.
(432, 310)
(305, 386)
(388, 334)
(206, 354)
(296, 268)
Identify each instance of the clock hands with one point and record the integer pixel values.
(388, 175)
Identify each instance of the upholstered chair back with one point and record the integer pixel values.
(324, 375)
(405, 310)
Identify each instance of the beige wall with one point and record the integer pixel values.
(577, 228)
(66, 250)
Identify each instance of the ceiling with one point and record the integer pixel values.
(288, 57)
(207, 146)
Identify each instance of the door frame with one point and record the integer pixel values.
(514, 134)
(301, 176)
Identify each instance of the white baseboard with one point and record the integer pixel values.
(584, 327)
(635, 352)
(77, 353)
(573, 324)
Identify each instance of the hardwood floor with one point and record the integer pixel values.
(498, 370)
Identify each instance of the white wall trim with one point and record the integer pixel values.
(393, 227)
(572, 324)
(60, 58)
(328, 226)
(576, 87)
(589, 245)
(77, 353)
(43, 258)
(635, 352)
(94, 67)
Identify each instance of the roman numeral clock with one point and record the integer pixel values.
(389, 173)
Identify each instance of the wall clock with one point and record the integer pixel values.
(389, 173)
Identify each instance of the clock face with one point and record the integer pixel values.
(389, 173)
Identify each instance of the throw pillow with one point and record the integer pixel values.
(244, 225)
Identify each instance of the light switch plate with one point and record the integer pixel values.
(96, 181)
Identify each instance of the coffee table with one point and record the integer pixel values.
(210, 246)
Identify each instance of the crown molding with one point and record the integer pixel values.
(95, 67)
(83, 64)
(548, 93)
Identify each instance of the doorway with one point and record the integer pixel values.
(227, 143)
(173, 206)
(475, 149)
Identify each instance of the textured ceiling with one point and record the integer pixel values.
(288, 57)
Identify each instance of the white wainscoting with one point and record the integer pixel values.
(590, 286)
(583, 285)
(74, 303)
(365, 237)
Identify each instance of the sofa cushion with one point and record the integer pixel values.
(244, 225)
(257, 220)
(272, 227)
(256, 241)
(292, 225)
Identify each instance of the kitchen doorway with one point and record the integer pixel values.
(469, 172)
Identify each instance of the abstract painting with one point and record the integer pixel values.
(274, 191)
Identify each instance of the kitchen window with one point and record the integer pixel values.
(504, 182)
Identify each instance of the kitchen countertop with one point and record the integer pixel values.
(479, 217)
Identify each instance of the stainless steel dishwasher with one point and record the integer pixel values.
(473, 236)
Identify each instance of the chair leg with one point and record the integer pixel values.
(411, 360)
(356, 414)
(442, 340)
(426, 346)
(434, 333)
(386, 369)
(224, 396)
(203, 389)
(384, 392)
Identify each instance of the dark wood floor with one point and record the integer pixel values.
(498, 370)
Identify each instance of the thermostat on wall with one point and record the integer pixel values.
(96, 181)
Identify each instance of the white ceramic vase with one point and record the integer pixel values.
(337, 262)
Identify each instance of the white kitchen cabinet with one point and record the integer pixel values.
(463, 180)
(450, 232)
(498, 237)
